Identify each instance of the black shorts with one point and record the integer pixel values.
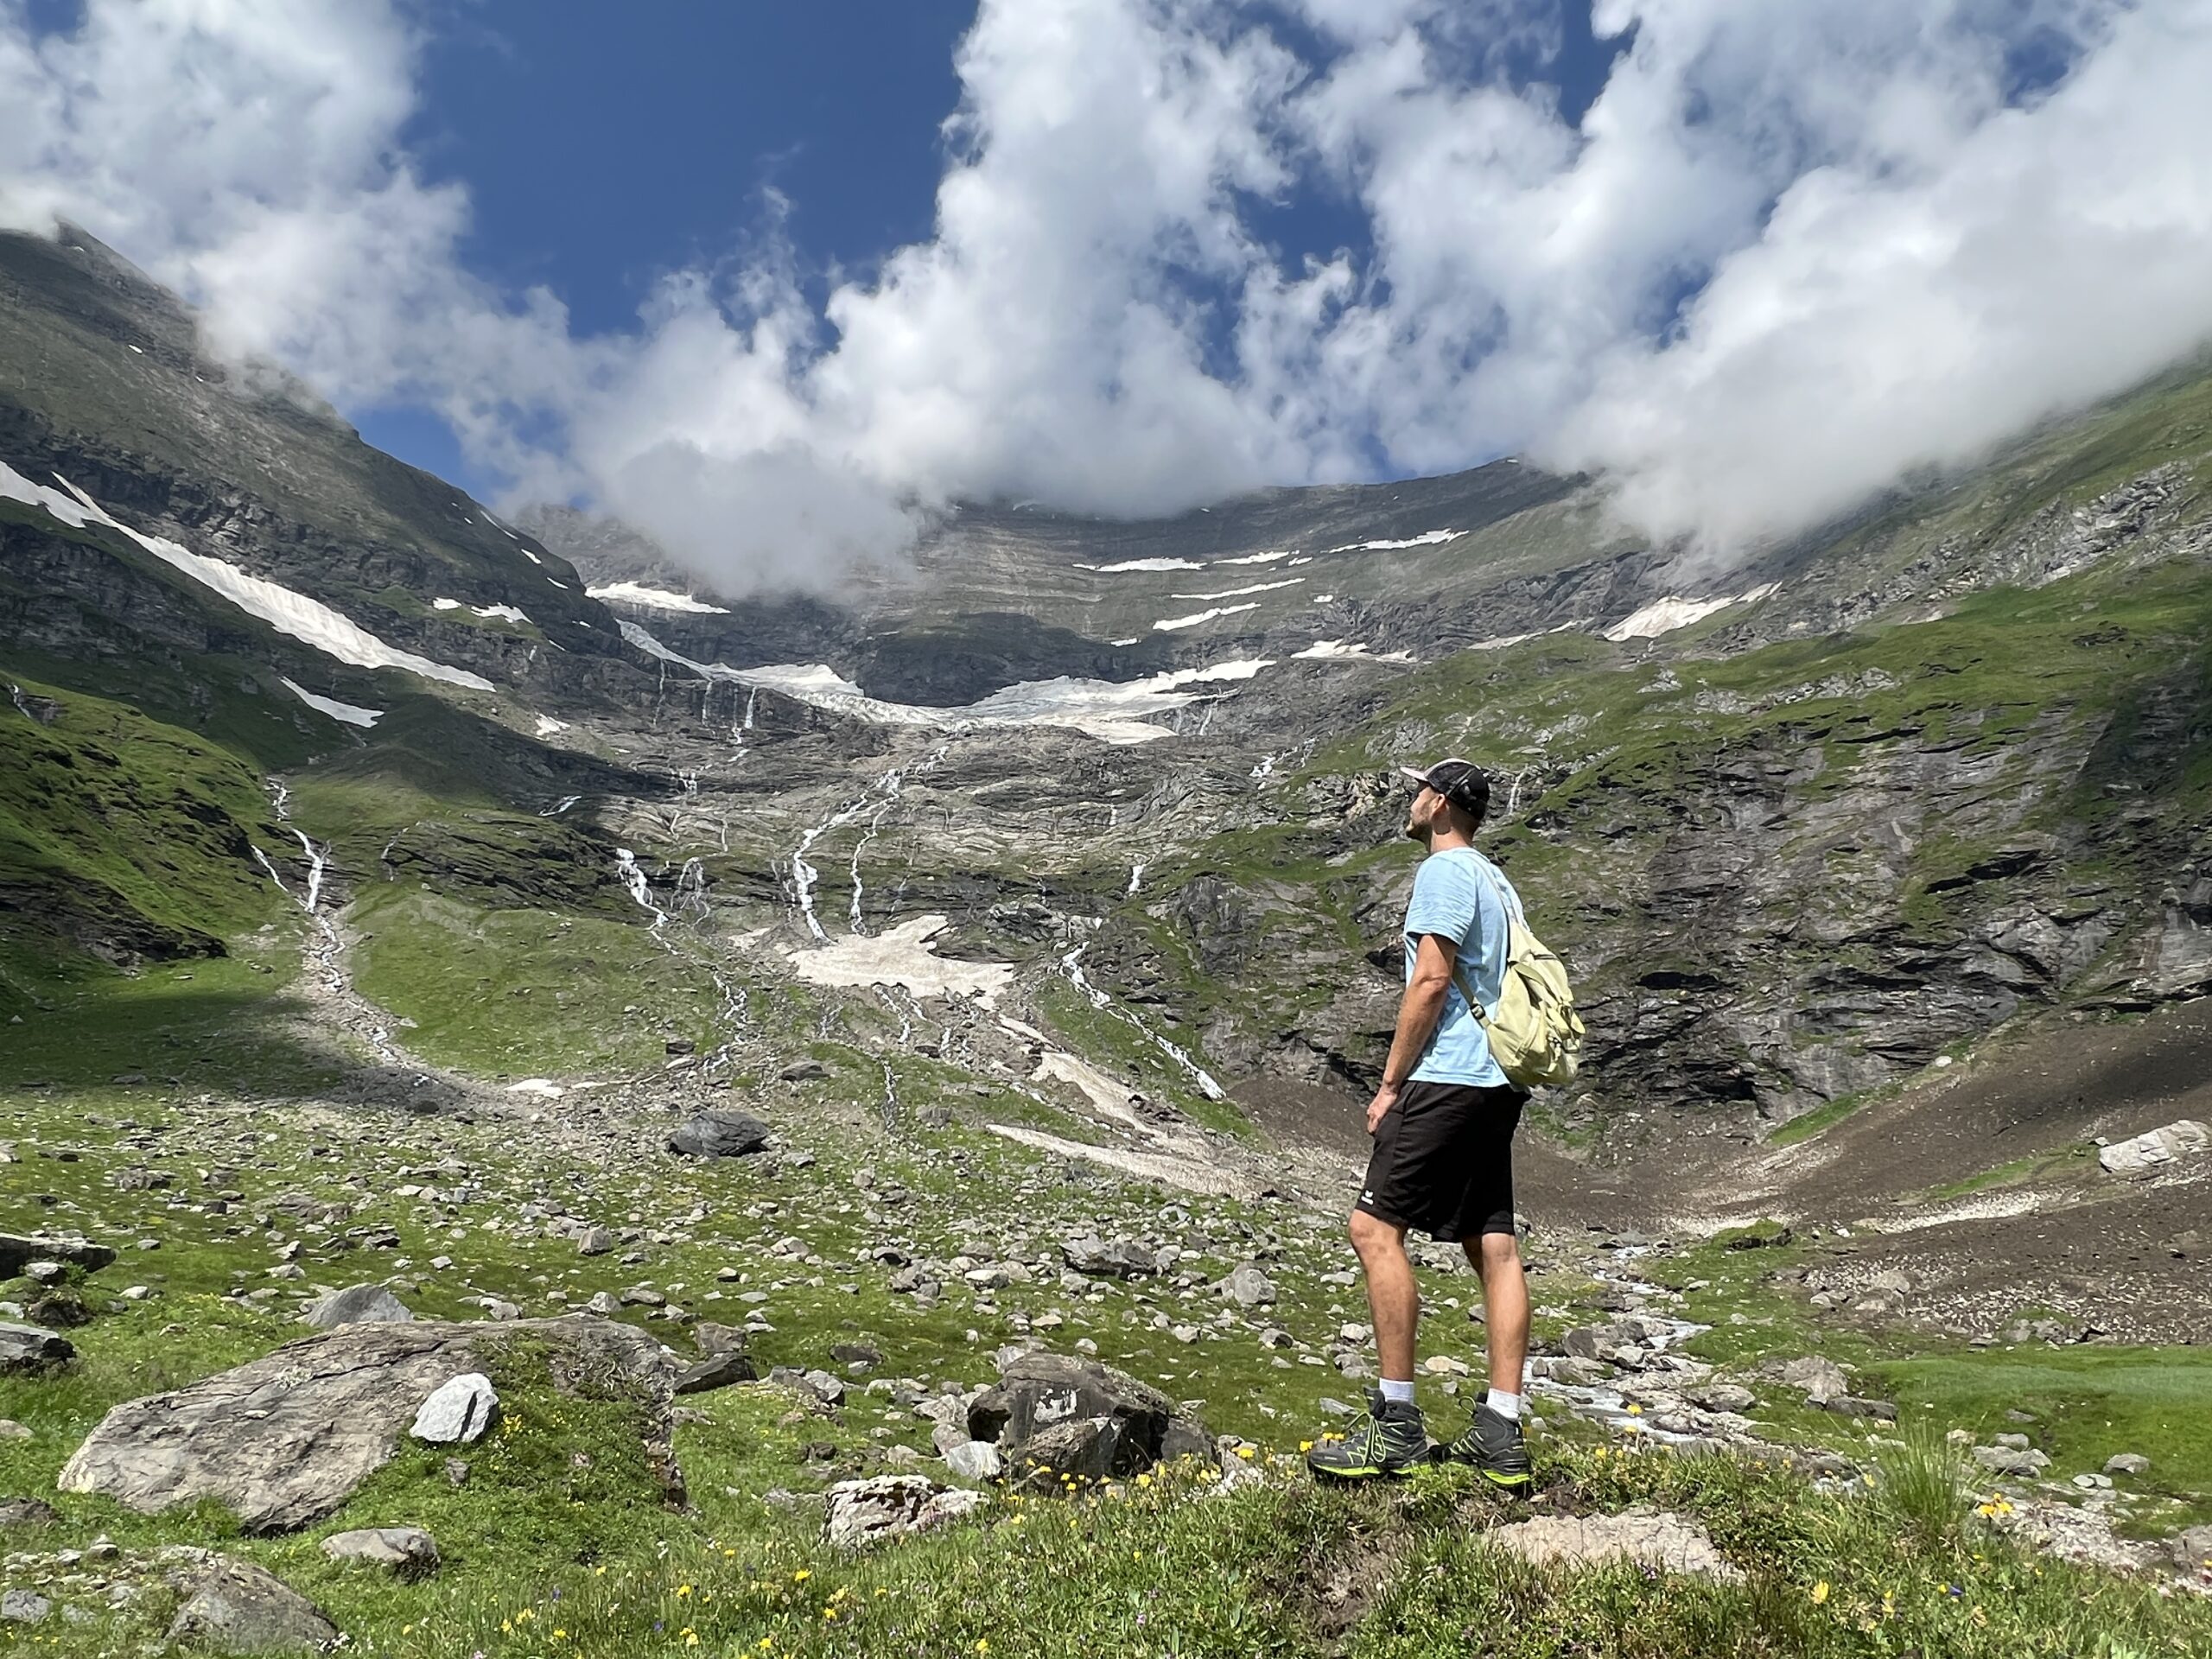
(1443, 1160)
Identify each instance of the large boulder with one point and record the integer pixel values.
(405, 1552)
(18, 1251)
(358, 1305)
(285, 1439)
(1120, 1259)
(2146, 1155)
(1077, 1416)
(862, 1512)
(27, 1348)
(234, 1606)
(720, 1134)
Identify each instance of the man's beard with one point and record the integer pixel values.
(1416, 831)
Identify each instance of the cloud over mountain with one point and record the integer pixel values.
(1792, 251)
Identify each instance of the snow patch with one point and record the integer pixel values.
(548, 726)
(303, 619)
(1665, 615)
(1336, 650)
(1427, 538)
(507, 611)
(655, 599)
(1252, 587)
(350, 714)
(542, 1086)
(1268, 557)
(1144, 564)
(1169, 623)
(901, 956)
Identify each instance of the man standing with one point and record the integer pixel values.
(1443, 1123)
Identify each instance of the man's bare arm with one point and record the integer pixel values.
(1419, 1009)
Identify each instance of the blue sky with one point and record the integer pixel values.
(598, 158)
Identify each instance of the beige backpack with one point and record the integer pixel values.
(1535, 1036)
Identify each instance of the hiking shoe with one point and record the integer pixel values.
(1390, 1440)
(1493, 1446)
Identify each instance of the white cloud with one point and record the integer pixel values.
(1794, 250)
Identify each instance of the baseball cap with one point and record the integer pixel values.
(1460, 782)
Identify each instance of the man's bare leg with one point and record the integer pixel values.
(1393, 1297)
(1496, 1257)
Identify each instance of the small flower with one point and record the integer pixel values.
(683, 1591)
(1246, 1453)
(801, 1576)
(1820, 1592)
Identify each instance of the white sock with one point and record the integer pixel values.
(1507, 1406)
(1398, 1394)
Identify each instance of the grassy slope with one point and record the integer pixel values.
(538, 1543)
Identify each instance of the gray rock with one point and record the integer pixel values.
(976, 1460)
(711, 1338)
(720, 1134)
(804, 1071)
(2147, 1155)
(1123, 1259)
(12, 1430)
(2009, 1460)
(595, 1241)
(1849, 1405)
(23, 1607)
(859, 1513)
(405, 1552)
(1659, 1539)
(2192, 1550)
(2127, 1463)
(716, 1372)
(27, 1348)
(1723, 1396)
(457, 1411)
(1078, 1454)
(285, 1439)
(234, 1606)
(27, 1512)
(19, 1250)
(1039, 1393)
(358, 1305)
(1820, 1380)
(1248, 1288)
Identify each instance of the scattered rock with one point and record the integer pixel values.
(27, 1348)
(27, 1512)
(1248, 1288)
(2192, 1550)
(234, 1606)
(2009, 1460)
(2127, 1463)
(717, 1371)
(1117, 1426)
(1659, 1540)
(2148, 1154)
(1123, 1259)
(976, 1460)
(1846, 1405)
(406, 1552)
(18, 1251)
(863, 1512)
(1723, 1396)
(1820, 1380)
(720, 1134)
(23, 1607)
(285, 1439)
(804, 1071)
(358, 1305)
(457, 1411)
(595, 1241)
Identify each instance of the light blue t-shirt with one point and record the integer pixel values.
(1462, 896)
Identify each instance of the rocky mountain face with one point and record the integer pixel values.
(1803, 827)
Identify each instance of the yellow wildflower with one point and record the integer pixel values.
(1245, 1453)
(801, 1576)
(1820, 1592)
